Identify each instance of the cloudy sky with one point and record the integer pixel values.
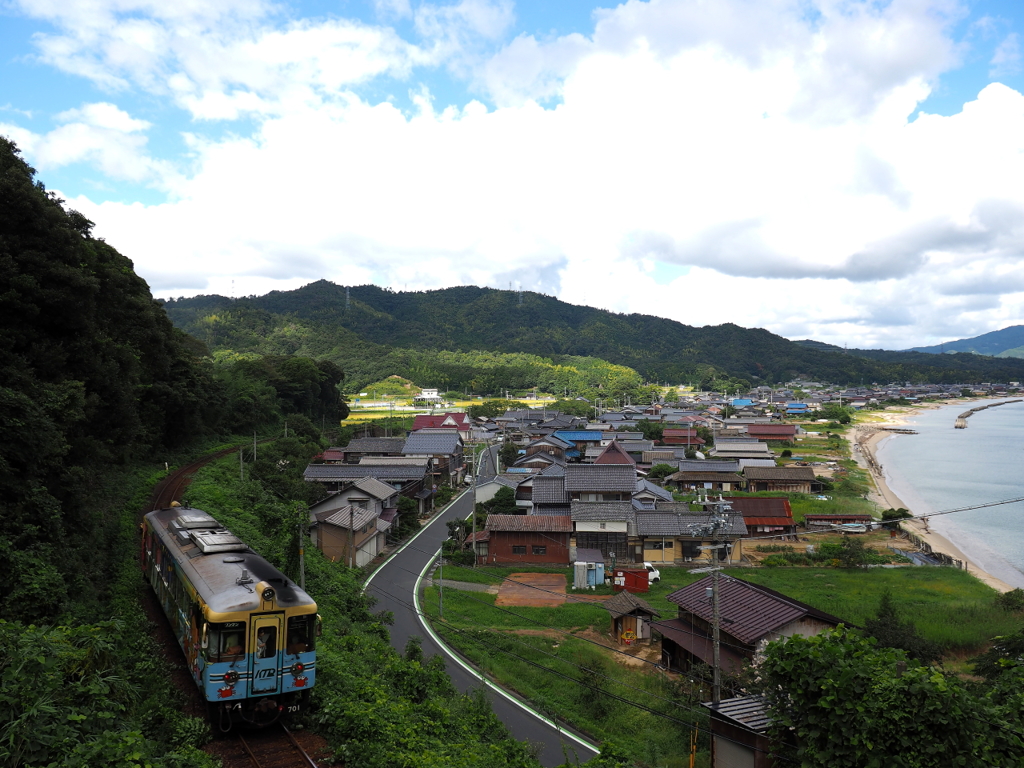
(832, 169)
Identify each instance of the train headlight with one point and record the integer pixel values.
(298, 668)
(268, 594)
(231, 677)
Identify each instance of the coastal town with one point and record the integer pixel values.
(634, 510)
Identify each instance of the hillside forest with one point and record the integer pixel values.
(97, 391)
(434, 338)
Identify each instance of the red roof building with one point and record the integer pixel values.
(459, 421)
(779, 432)
(764, 517)
(517, 539)
(681, 437)
(614, 454)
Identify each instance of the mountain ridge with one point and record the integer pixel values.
(471, 318)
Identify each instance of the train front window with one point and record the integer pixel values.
(227, 642)
(300, 634)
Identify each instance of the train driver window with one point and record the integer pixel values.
(227, 641)
(266, 642)
(300, 638)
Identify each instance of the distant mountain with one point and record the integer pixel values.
(371, 323)
(1009, 342)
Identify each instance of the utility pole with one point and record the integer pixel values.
(716, 622)
(302, 558)
(351, 537)
(254, 447)
(241, 467)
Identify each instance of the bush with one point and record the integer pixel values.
(786, 454)
(1012, 600)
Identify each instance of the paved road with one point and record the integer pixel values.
(394, 584)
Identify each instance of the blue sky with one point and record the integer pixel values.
(835, 169)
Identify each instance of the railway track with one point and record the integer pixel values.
(275, 748)
(171, 487)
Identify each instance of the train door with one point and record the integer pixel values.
(265, 654)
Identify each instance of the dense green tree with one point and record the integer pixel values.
(838, 701)
(507, 454)
(91, 373)
(891, 630)
(651, 430)
(491, 408)
(659, 471)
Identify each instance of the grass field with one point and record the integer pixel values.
(539, 653)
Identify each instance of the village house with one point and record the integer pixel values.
(788, 479)
(351, 526)
(457, 421)
(444, 449)
(706, 480)
(604, 525)
(600, 482)
(750, 617)
(764, 516)
(672, 533)
(522, 539)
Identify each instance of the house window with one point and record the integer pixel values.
(360, 503)
(518, 549)
(603, 526)
(539, 550)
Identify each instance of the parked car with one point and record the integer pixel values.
(653, 574)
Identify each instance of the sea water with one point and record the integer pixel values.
(943, 468)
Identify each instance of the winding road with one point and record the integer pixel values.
(395, 584)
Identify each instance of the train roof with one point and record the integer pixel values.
(217, 563)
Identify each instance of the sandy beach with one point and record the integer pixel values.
(865, 439)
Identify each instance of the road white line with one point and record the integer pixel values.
(473, 671)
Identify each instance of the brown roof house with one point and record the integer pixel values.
(351, 526)
(631, 618)
(751, 616)
(789, 479)
(674, 534)
(764, 517)
(519, 539)
(708, 480)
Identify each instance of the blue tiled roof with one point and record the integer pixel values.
(585, 435)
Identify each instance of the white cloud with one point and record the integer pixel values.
(1007, 59)
(103, 135)
(766, 145)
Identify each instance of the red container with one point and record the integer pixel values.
(630, 579)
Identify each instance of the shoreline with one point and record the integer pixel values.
(864, 450)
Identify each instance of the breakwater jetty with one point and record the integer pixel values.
(961, 420)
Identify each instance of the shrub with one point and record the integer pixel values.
(1012, 600)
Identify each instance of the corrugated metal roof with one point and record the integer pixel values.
(375, 487)
(375, 445)
(760, 507)
(694, 465)
(748, 611)
(582, 435)
(625, 603)
(746, 711)
(600, 477)
(705, 477)
(340, 472)
(771, 429)
(772, 521)
(341, 518)
(539, 523)
(684, 524)
(779, 473)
